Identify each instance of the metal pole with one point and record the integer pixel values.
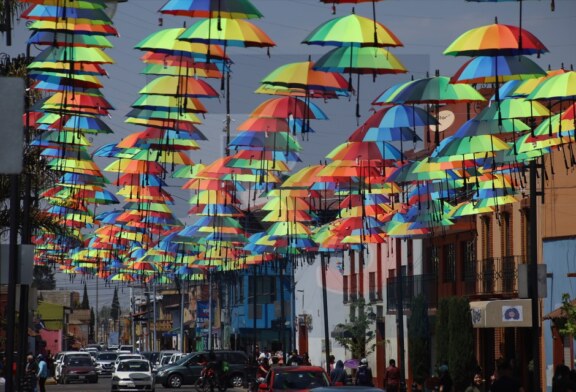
(209, 310)
(132, 319)
(254, 300)
(13, 278)
(533, 276)
(96, 315)
(8, 31)
(282, 329)
(325, 305)
(181, 345)
(154, 344)
(400, 313)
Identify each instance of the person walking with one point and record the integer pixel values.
(505, 381)
(477, 384)
(392, 377)
(338, 374)
(42, 373)
(29, 382)
(364, 374)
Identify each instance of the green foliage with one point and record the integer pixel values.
(105, 313)
(43, 277)
(115, 310)
(461, 359)
(85, 301)
(91, 335)
(567, 325)
(356, 335)
(419, 339)
(442, 333)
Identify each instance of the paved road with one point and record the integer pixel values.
(104, 385)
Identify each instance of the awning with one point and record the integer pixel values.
(510, 313)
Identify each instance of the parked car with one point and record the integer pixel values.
(133, 374)
(63, 358)
(79, 368)
(187, 370)
(164, 354)
(294, 378)
(105, 362)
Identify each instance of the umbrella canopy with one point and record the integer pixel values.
(496, 39)
(232, 32)
(352, 30)
(303, 75)
(231, 9)
(362, 60)
(485, 69)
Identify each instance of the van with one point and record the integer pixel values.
(187, 370)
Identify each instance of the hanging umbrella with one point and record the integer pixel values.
(352, 30)
(483, 70)
(230, 9)
(436, 90)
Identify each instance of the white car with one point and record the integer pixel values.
(133, 374)
(124, 357)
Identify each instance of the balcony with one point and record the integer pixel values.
(494, 276)
(412, 287)
(481, 279)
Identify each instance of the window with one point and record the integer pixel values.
(372, 287)
(506, 235)
(469, 256)
(434, 260)
(265, 289)
(354, 287)
(450, 263)
(486, 237)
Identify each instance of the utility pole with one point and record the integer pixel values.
(181, 345)
(325, 303)
(209, 310)
(132, 319)
(533, 273)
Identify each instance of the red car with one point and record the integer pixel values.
(295, 378)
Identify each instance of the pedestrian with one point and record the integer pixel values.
(338, 374)
(445, 379)
(331, 362)
(364, 374)
(505, 382)
(477, 384)
(392, 377)
(42, 373)
(29, 382)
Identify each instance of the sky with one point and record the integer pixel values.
(425, 27)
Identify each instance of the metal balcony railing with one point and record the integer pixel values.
(412, 286)
(494, 276)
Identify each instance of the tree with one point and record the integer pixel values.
(442, 333)
(105, 313)
(43, 277)
(419, 339)
(115, 310)
(85, 302)
(357, 334)
(567, 323)
(91, 335)
(462, 360)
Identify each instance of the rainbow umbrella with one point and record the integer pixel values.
(485, 69)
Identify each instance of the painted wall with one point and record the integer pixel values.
(53, 340)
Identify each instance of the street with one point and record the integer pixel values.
(104, 385)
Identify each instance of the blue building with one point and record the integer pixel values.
(262, 308)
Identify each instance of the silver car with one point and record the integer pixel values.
(133, 374)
